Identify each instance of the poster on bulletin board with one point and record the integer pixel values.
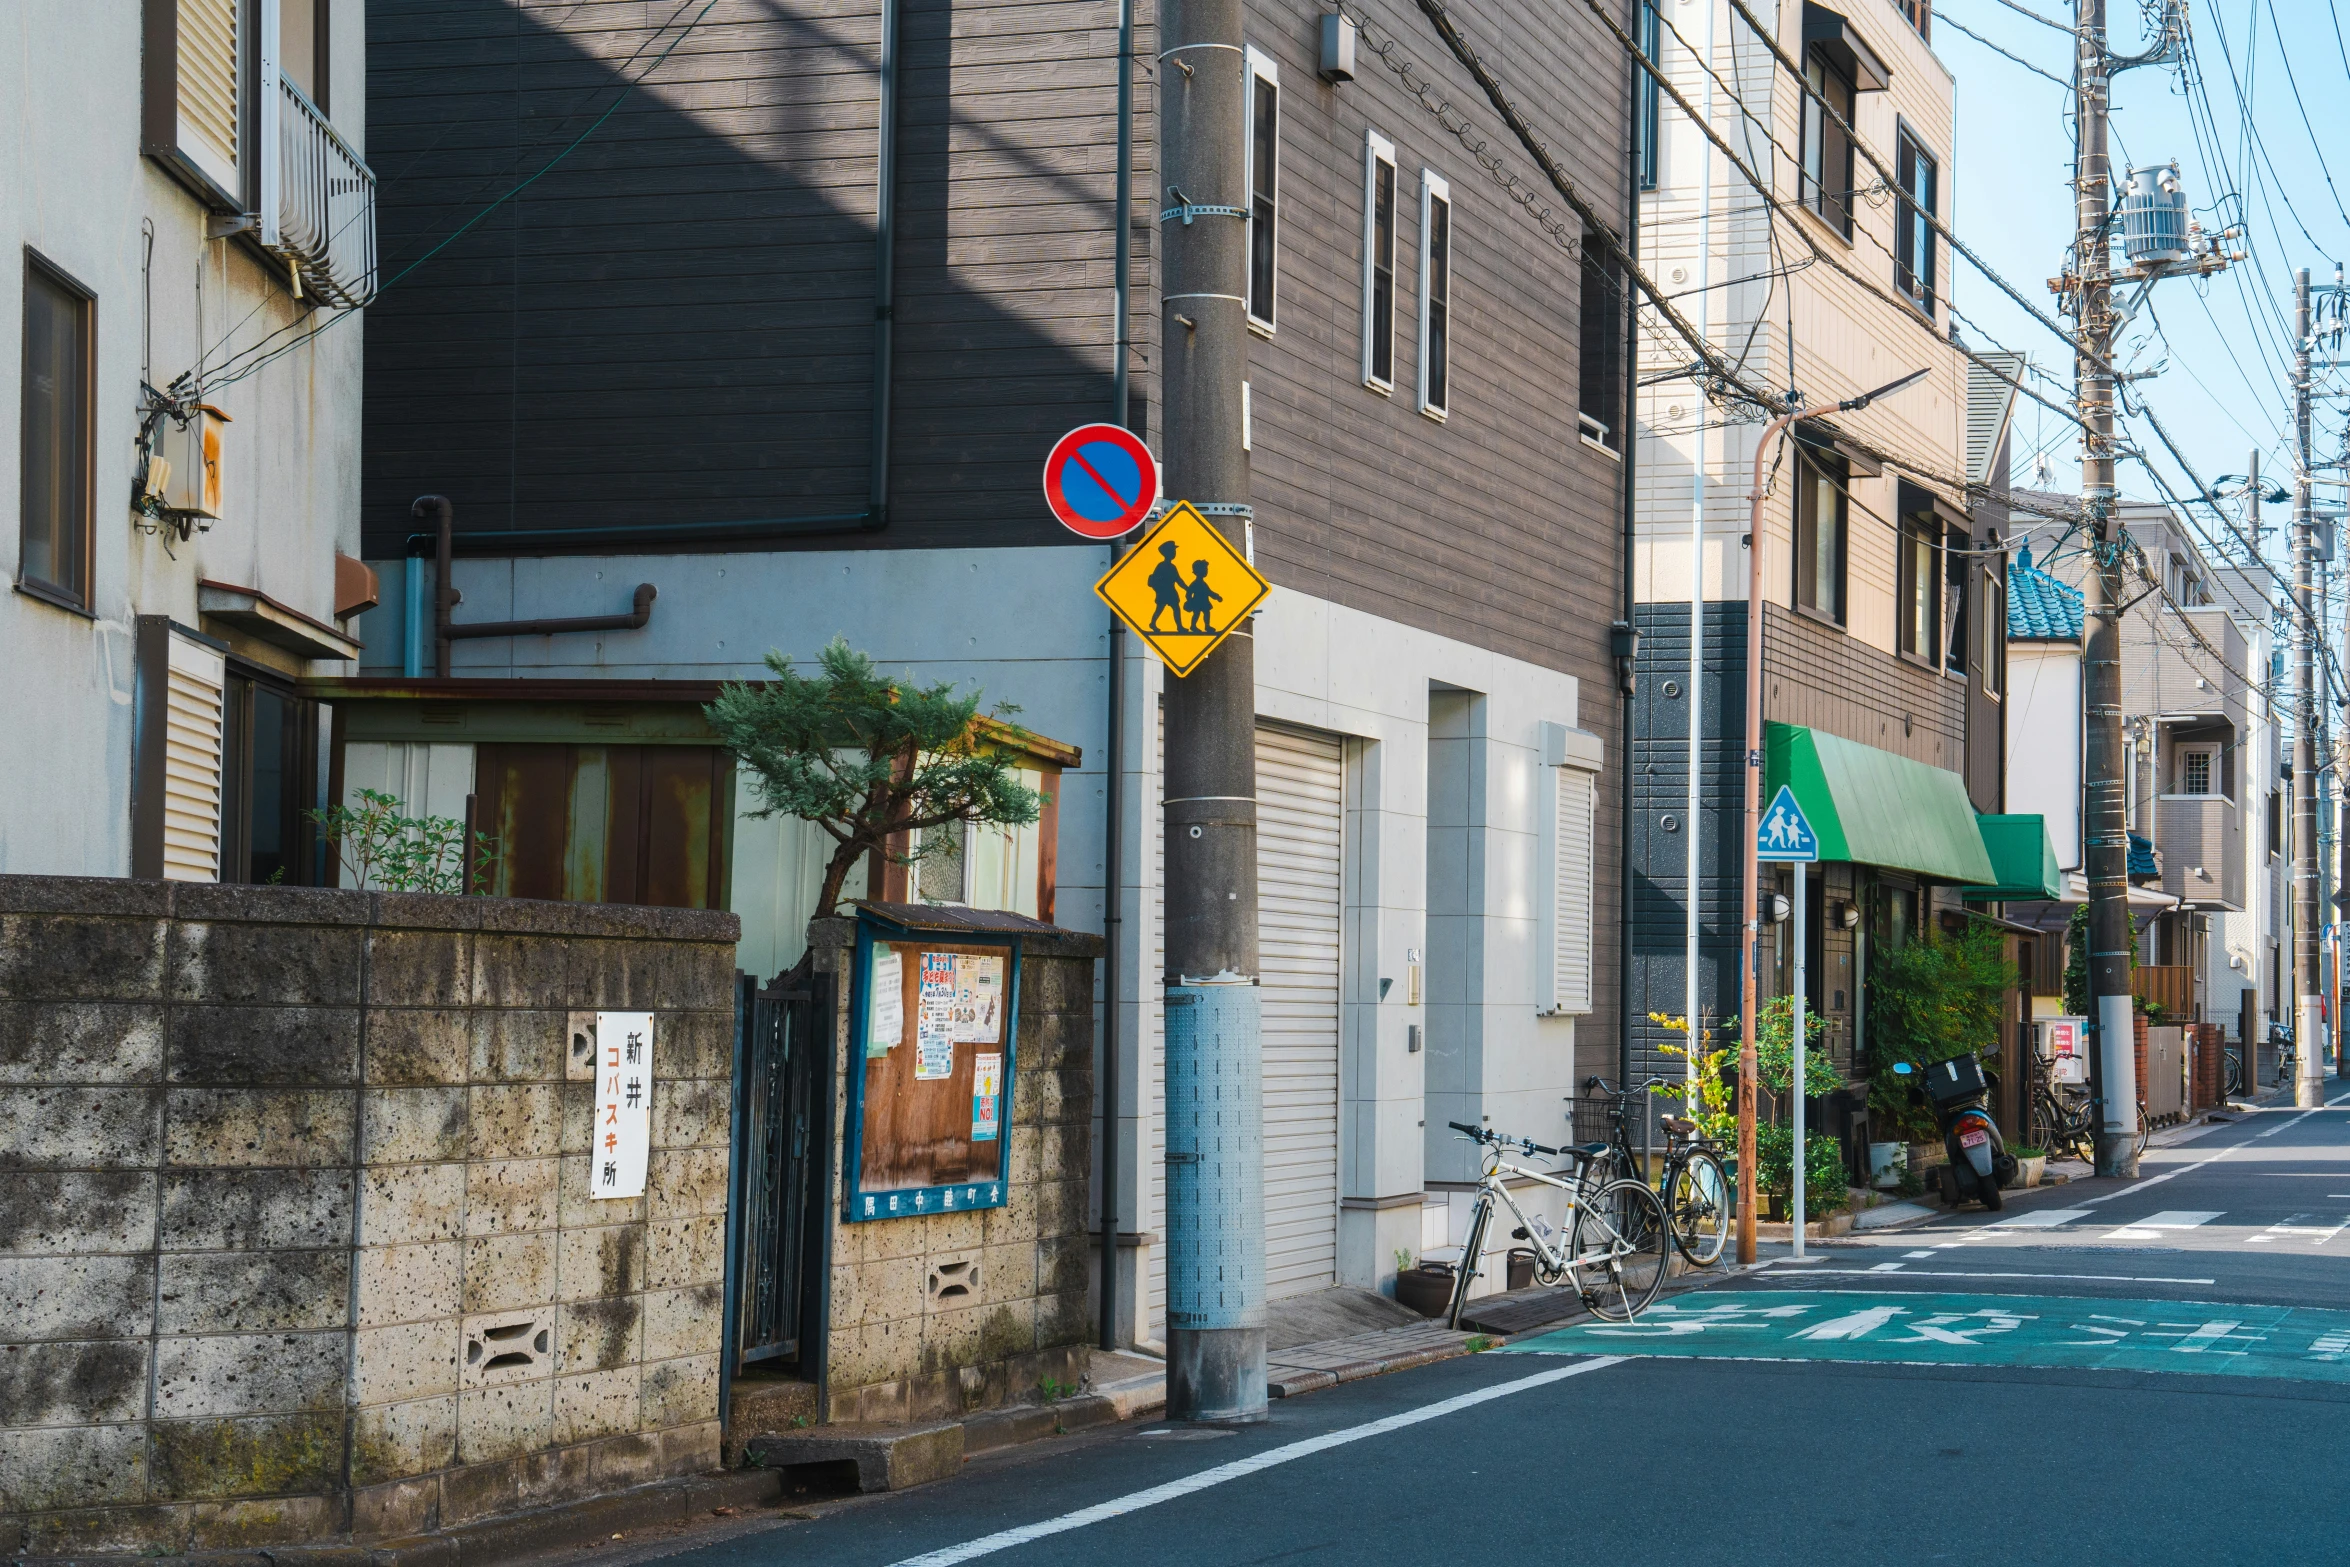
(936, 1012)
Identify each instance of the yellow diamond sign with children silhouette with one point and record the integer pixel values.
(1183, 588)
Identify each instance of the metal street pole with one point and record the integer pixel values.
(2308, 999)
(1795, 1084)
(1215, 1090)
(2105, 844)
(1748, 990)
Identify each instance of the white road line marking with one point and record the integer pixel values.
(1946, 1273)
(2291, 1229)
(2151, 1227)
(1239, 1469)
(2203, 1338)
(2043, 1219)
(1912, 1255)
(1882, 1267)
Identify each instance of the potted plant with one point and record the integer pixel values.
(2030, 1163)
(1426, 1287)
(1937, 998)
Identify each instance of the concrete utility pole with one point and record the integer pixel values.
(2308, 999)
(2105, 843)
(1215, 1089)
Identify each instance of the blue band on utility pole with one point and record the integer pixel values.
(1215, 1157)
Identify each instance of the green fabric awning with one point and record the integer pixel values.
(1874, 808)
(2023, 861)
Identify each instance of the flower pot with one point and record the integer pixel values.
(1427, 1289)
(2028, 1170)
(1521, 1267)
(1887, 1163)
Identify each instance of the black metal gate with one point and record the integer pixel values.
(782, 1158)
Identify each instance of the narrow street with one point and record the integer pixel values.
(1941, 1393)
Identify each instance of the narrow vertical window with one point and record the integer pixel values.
(1913, 239)
(1435, 294)
(1820, 518)
(1264, 193)
(55, 478)
(1919, 623)
(1600, 392)
(1378, 262)
(1827, 152)
(1649, 100)
(1994, 634)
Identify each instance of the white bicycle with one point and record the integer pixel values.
(1616, 1243)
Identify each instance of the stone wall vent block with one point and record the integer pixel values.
(511, 1347)
(867, 1457)
(954, 1281)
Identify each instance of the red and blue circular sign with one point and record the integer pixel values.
(1101, 481)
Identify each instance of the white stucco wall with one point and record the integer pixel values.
(77, 191)
(2044, 740)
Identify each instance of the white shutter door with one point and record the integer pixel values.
(209, 124)
(1301, 822)
(1301, 830)
(192, 727)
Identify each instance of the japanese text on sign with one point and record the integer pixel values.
(622, 1141)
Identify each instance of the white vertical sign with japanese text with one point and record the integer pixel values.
(623, 1140)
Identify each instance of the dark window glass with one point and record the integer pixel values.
(1827, 151)
(269, 785)
(1439, 287)
(1650, 98)
(1821, 516)
(55, 485)
(1265, 146)
(1382, 364)
(1601, 393)
(1913, 238)
(1956, 561)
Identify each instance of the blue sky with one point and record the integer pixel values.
(2226, 342)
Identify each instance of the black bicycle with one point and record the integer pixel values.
(1694, 1182)
(2061, 1122)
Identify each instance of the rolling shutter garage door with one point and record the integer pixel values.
(1301, 823)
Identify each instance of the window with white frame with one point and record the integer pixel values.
(1435, 294)
(1569, 820)
(1378, 262)
(2198, 769)
(1264, 186)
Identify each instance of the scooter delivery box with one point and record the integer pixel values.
(1948, 1082)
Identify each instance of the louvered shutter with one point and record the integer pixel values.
(196, 119)
(1569, 797)
(176, 791)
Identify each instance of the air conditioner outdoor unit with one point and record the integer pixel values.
(191, 453)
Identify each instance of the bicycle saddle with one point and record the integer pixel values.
(1679, 1126)
(1584, 1153)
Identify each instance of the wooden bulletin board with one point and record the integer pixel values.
(932, 1022)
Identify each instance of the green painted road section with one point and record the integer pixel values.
(2302, 1343)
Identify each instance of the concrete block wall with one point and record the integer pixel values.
(294, 1240)
(900, 1349)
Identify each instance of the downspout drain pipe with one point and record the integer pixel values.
(446, 598)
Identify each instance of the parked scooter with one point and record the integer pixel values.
(1980, 1164)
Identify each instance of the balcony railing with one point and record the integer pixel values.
(318, 203)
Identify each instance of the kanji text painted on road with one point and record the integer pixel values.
(1183, 588)
(2303, 1343)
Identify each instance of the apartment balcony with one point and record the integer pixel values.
(2201, 839)
(317, 202)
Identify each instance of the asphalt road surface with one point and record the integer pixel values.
(2115, 1372)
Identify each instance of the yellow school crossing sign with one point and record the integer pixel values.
(1183, 588)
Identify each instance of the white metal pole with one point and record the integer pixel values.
(1692, 887)
(1795, 1086)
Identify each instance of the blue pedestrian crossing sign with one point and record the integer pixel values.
(1784, 834)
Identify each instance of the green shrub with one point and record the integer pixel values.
(1937, 998)
(1825, 1189)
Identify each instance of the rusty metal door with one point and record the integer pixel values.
(776, 1229)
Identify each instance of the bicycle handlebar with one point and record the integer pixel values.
(1484, 1135)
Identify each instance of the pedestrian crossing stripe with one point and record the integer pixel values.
(2295, 1342)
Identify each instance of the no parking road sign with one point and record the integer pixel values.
(1101, 481)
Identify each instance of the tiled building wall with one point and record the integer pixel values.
(280, 1164)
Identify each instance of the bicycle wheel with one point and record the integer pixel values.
(1697, 1202)
(2145, 1129)
(1465, 1273)
(1623, 1245)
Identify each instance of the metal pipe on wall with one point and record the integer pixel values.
(1114, 790)
(885, 239)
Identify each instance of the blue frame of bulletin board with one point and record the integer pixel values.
(976, 1190)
